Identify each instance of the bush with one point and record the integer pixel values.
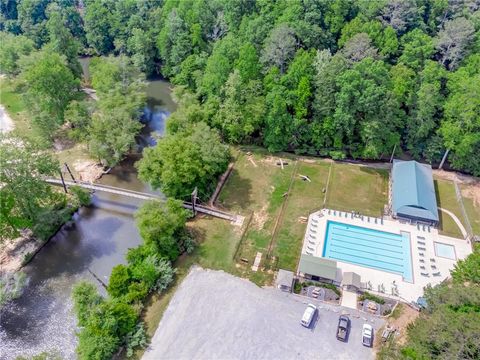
(119, 281)
(367, 296)
(86, 299)
(136, 339)
(11, 286)
(81, 196)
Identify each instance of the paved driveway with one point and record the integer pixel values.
(214, 315)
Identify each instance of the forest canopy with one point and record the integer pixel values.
(338, 78)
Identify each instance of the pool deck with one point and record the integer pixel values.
(378, 281)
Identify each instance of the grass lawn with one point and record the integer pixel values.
(304, 198)
(447, 199)
(359, 188)
(11, 99)
(472, 207)
(256, 187)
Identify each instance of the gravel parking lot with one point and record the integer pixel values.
(214, 315)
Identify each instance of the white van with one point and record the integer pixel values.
(308, 315)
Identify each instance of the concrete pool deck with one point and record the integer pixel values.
(424, 259)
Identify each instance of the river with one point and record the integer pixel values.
(42, 318)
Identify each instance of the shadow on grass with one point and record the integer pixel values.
(237, 192)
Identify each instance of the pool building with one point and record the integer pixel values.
(390, 257)
(412, 192)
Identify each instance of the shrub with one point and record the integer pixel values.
(81, 196)
(86, 299)
(367, 296)
(136, 338)
(11, 286)
(119, 281)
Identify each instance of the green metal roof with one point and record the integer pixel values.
(413, 192)
(317, 266)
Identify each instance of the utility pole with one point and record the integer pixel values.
(393, 153)
(194, 200)
(444, 158)
(63, 182)
(70, 172)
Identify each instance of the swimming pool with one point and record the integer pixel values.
(370, 248)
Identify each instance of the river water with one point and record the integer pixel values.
(42, 318)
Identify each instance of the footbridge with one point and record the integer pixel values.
(236, 219)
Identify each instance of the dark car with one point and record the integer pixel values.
(343, 328)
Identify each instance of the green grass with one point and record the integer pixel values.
(305, 197)
(358, 188)
(218, 240)
(472, 208)
(447, 199)
(11, 98)
(257, 186)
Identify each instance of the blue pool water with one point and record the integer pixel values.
(445, 250)
(369, 248)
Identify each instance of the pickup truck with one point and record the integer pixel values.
(367, 335)
(343, 328)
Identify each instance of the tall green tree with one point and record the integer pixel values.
(51, 85)
(61, 39)
(461, 127)
(12, 49)
(191, 158)
(24, 196)
(162, 225)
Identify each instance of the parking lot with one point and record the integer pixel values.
(214, 315)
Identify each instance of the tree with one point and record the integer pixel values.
(51, 85)
(112, 134)
(417, 47)
(454, 314)
(401, 14)
(86, 299)
(193, 157)
(240, 114)
(461, 126)
(61, 39)
(163, 226)
(365, 105)
(12, 49)
(279, 47)
(468, 270)
(119, 281)
(452, 41)
(358, 48)
(114, 126)
(98, 26)
(24, 195)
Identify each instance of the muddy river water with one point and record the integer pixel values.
(42, 319)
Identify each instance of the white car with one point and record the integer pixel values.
(308, 315)
(367, 335)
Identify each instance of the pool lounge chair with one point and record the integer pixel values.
(433, 267)
(437, 273)
(421, 248)
(432, 260)
(425, 274)
(421, 254)
(422, 267)
(422, 260)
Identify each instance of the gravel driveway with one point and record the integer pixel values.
(214, 315)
